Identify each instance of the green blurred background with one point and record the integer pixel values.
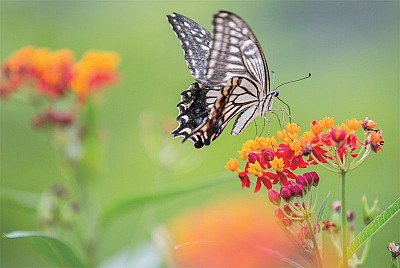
(351, 49)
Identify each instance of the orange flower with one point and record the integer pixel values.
(293, 129)
(353, 124)
(317, 127)
(248, 146)
(50, 71)
(368, 124)
(296, 146)
(266, 143)
(328, 122)
(255, 169)
(94, 70)
(232, 165)
(277, 164)
(376, 140)
(53, 70)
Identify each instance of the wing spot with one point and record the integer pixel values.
(232, 24)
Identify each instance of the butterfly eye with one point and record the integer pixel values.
(275, 93)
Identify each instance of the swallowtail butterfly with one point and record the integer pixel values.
(231, 76)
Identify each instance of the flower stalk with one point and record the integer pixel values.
(344, 220)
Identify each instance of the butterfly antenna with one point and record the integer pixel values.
(273, 77)
(308, 76)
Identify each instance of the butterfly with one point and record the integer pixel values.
(231, 76)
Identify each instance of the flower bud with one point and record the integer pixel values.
(286, 194)
(253, 157)
(350, 219)
(368, 124)
(350, 215)
(315, 177)
(394, 249)
(336, 206)
(274, 197)
(309, 178)
(297, 189)
(268, 155)
(369, 213)
(338, 135)
(300, 179)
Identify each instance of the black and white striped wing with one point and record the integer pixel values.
(205, 112)
(235, 51)
(195, 42)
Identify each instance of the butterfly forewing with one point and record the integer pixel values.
(235, 52)
(195, 42)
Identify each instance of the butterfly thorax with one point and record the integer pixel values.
(267, 101)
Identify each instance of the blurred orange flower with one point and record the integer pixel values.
(94, 70)
(54, 73)
(234, 233)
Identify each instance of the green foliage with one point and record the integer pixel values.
(52, 247)
(372, 228)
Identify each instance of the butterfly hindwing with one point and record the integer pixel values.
(240, 94)
(195, 43)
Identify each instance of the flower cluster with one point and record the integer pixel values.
(49, 71)
(54, 73)
(273, 164)
(274, 161)
(333, 146)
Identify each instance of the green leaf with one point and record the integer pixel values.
(134, 202)
(373, 227)
(50, 246)
(322, 208)
(21, 199)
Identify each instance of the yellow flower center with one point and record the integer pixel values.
(255, 169)
(296, 146)
(277, 164)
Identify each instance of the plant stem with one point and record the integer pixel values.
(314, 241)
(344, 221)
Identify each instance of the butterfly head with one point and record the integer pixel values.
(275, 93)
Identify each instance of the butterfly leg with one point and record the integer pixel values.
(269, 124)
(255, 124)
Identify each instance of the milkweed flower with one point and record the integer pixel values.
(274, 163)
(95, 70)
(54, 73)
(48, 71)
